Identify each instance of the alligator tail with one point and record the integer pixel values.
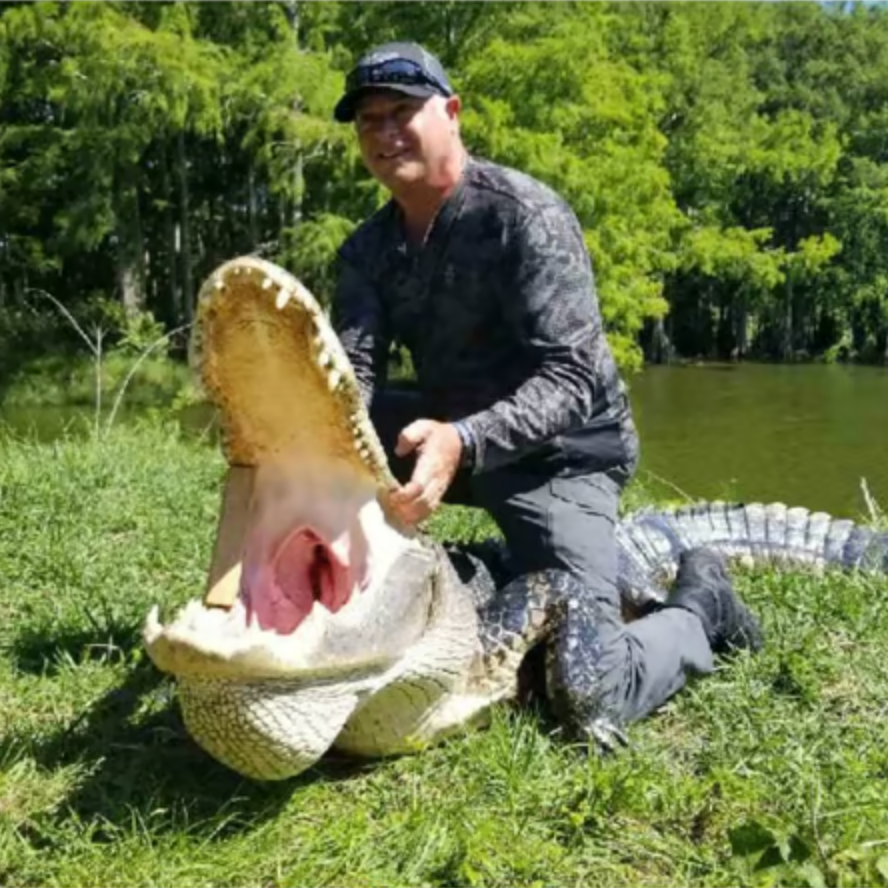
(650, 542)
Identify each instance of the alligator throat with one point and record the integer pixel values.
(304, 570)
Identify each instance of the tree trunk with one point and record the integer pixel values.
(786, 331)
(4, 264)
(185, 229)
(661, 347)
(170, 280)
(724, 328)
(212, 245)
(298, 192)
(295, 205)
(741, 324)
(130, 246)
(252, 208)
(449, 34)
(704, 321)
(291, 11)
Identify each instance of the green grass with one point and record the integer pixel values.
(773, 771)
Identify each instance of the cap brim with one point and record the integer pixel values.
(344, 112)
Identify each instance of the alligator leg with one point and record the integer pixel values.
(552, 606)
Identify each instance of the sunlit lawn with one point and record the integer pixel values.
(773, 771)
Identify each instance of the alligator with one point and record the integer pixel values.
(328, 624)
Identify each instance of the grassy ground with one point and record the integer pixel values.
(773, 771)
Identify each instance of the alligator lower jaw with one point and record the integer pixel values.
(315, 568)
(367, 633)
(211, 643)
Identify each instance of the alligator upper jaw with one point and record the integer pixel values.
(274, 367)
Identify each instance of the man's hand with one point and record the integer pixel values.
(439, 450)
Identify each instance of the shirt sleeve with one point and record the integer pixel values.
(551, 308)
(359, 320)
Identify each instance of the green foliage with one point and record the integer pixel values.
(769, 772)
(727, 163)
(64, 381)
(99, 355)
(310, 251)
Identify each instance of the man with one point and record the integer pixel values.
(483, 274)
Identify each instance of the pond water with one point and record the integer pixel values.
(803, 435)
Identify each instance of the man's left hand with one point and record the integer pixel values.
(439, 451)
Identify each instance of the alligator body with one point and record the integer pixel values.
(326, 624)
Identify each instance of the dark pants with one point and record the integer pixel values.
(569, 523)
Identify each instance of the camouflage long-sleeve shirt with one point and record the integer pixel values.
(499, 312)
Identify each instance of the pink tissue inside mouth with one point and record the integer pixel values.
(301, 569)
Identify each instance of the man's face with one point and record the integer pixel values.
(404, 139)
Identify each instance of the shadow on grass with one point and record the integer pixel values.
(140, 763)
(35, 652)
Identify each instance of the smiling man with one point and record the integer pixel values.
(482, 273)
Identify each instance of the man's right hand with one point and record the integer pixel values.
(439, 449)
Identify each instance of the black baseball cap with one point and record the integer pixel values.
(404, 67)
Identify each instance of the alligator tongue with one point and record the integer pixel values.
(303, 569)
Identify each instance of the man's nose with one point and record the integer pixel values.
(389, 126)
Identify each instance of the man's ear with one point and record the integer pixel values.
(453, 105)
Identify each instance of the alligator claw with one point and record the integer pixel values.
(607, 735)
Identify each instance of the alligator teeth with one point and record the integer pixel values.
(282, 298)
(324, 358)
(306, 296)
(219, 283)
(333, 380)
(266, 284)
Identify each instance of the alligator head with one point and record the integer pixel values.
(317, 597)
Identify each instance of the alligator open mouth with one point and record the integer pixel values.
(325, 584)
(302, 570)
(303, 534)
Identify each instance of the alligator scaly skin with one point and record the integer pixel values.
(650, 542)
